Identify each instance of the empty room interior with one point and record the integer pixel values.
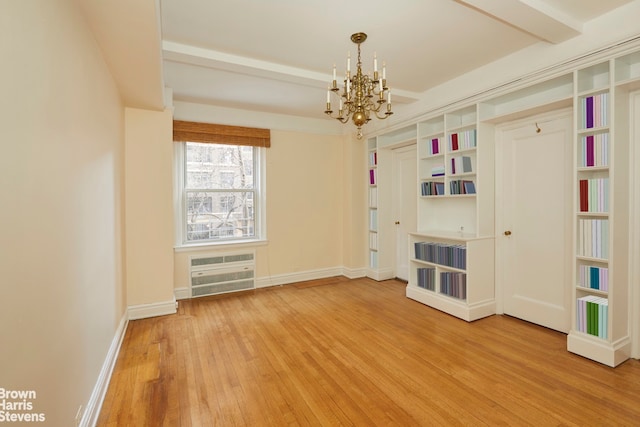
(320, 212)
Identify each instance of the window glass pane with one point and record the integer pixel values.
(219, 192)
(212, 166)
(220, 215)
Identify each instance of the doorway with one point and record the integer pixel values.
(404, 204)
(534, 203)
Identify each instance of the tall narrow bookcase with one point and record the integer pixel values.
(600, 326)
(454, 213)
(372, 180)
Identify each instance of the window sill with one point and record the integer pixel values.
(196, 247)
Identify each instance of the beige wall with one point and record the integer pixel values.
(149, 213)
(61, 187)
(311, 209)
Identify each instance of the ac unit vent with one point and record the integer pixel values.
(212, 275)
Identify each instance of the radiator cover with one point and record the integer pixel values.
(222, 273)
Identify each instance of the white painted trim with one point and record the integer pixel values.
(182, 293)
(300, 276)
(143, 311)
(93, 407)
(634, 225)
(354, 273)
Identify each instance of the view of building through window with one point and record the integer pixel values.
(220, 191)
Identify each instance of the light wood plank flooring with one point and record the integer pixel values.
(339, 352)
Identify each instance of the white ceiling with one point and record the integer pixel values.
(277, 55)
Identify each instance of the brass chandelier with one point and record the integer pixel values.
(361, 95)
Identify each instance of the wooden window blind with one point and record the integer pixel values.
(184, 131)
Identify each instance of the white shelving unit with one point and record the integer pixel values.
(472, 296)
(600, 327)
(449, 215)
(372, 180)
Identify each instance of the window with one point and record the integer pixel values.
(220, 186)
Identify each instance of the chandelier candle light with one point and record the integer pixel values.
(359, 91)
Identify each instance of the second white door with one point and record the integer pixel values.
(534, 219)
(405, 184)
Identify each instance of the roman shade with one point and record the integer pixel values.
(184, 131)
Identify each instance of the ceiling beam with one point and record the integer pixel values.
(535, 17)
(193, 55)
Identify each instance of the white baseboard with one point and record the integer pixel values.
(93, 407)
(354, 273)
(143, 311)
(299, 276)
(182, 293)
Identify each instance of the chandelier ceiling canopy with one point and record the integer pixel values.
(361, 96)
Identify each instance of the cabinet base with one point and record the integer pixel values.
(461, 309)
(610, 354)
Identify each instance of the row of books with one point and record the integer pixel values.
(462, 187)
(373, 197)
(593, 277)
(373, 240)
(373, 158)
(373, 220)
(432, 188)
(592, 313)
(460, 164)
(453, 284)
(462, 140)
(595, 111)
(594, 195)
(373, 176)
(594, 150)
(593, 238)
(451, 255)
(427, 278)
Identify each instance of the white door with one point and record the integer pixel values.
(534, 219)
(405, 195)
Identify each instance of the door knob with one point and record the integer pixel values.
(507, 233)
(397, 222)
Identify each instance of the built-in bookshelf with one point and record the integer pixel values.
(600, 328)
(457, 201)
(372, 171)
(448, 272)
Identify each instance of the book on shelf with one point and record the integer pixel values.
(432, 188)
(450, 255)
(434, 146)
(594, 111)
(426, 278)
(437, 170)
(592, 315)
(373, 197)
(462, 187)
(453, 284)
(593, 277)
(372, 177)
(373, 158)
(593, 238)
(594, 150)
(460, 164)
(594, 195)
(462, 140)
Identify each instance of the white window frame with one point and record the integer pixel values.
(180, 201)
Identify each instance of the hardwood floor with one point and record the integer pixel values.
(339, 352)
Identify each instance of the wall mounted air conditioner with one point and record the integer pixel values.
(222, 273)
